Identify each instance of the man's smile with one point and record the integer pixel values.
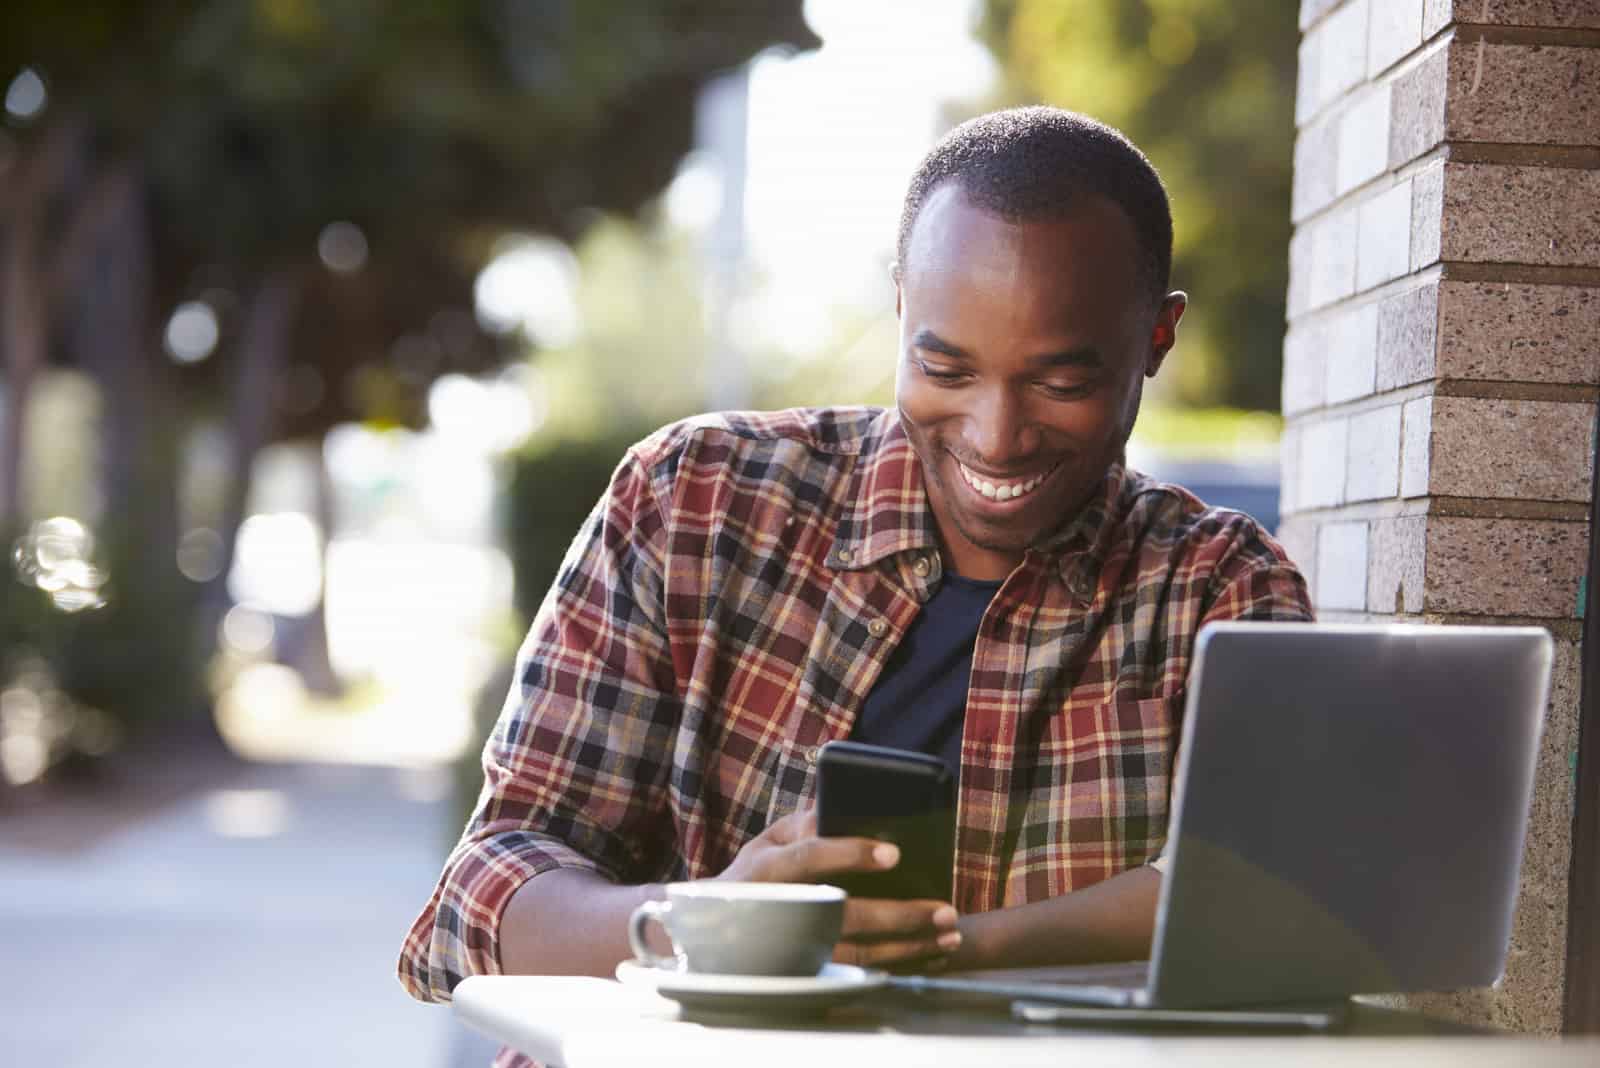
(1002, 490)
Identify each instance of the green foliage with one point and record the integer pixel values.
(552, 489)
(1206, 88)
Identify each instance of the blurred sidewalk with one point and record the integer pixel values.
(197, 910)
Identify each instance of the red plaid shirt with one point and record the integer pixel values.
(730, 602)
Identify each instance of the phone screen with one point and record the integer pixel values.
(896, 796)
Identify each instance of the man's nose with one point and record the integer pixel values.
(996, 428)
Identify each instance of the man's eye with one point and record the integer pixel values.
(1060, 391)
(938, 374)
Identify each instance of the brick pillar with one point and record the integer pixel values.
(1443, 356)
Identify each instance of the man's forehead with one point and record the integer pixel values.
(956, 235)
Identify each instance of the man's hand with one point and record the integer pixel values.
(877, 933)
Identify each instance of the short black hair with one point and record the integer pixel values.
(1036, 163)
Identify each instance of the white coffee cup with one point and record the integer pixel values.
(732, 928)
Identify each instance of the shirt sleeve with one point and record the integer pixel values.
(1258, 581)
(576, 768)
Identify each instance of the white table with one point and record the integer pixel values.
(596, 1023)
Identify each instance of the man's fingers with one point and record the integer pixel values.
(816, 858)
(868, 920)
(898, 952)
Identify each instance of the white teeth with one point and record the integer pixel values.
(1008, 491)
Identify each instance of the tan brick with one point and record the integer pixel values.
(1352, 353)
(1522, 449)
(1396, 564)
(1416, 447)
(1516, 214)
(1572, 14)
(1372, 471)
(1519, 333)
(1322, 463)
(1417, 98)
(1504, 567)
(1407, 337)
(1305, 356)
(1363, 151)
(1394, 29)
(1341, 583)
(1523, 94)
(1427, 216)
(1316, 160)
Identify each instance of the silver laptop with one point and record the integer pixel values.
(1348, 816)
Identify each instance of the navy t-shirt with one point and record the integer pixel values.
(920, 700)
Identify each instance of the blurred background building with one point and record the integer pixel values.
(323, 323)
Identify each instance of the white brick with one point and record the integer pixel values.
(1333, 258)
(1352, 354)
(1299, 539)
(1322, 464)
(1308, 80)
(1342, 50)
(1385, 241)
(1363, 140)
(1374, 458)
(1305, 351)
(1288, 470)
(1427, 215)
(1415, 451)
(1395, 30)
(1342, 566)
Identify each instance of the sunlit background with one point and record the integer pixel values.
(324, 322)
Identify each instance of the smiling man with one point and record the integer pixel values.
(974, 574)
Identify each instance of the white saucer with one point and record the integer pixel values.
(768, 994)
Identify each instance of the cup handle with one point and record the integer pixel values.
(647, 911)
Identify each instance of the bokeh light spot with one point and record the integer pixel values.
(342, 247)
(192, 332)
(200, 554)
(248, 630)
(26, 96)
(533, 285)
(277, 563)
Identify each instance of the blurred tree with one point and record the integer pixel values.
(200, 150)
(1206, 88)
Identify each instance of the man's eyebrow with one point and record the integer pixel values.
(1084, 356)
(929, 341)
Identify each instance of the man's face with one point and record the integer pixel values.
(1023, 350)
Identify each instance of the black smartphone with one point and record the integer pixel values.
(898, 796)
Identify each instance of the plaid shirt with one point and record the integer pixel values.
(730, 602)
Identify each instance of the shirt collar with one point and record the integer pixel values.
(888, 510)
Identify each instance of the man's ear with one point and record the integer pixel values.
(1165, 332)
(894, 276)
